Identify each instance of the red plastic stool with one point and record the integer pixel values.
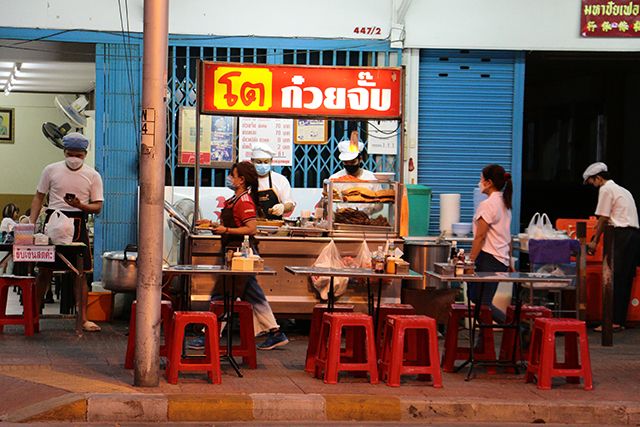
(247, 347)
(453, 352)
(166, 317)
(210, 362)
(314, 332)
(30, 317)
(542, 354)
(328, 355)
(396, 362)
(527, 312)
(385, 311)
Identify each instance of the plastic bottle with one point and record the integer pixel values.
(378, 261)
(245, 247)
(454, 252)
(390, 260)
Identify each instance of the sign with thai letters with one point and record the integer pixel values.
(34, 253)
(300, 91)
(610, 18)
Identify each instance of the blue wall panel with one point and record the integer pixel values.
(470, 115)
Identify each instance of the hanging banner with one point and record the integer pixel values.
(217, 139)
(610, 18)
(300, 91)
(277, 133)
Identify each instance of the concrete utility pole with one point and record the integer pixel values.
(152, 153)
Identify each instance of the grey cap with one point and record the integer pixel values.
(592, 170)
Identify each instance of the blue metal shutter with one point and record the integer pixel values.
(118, 89)
(470, 115)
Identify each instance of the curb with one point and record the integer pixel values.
(117, 407)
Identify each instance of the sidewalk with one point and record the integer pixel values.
(58, 376)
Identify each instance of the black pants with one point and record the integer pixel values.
(626, 241)
(487, 262)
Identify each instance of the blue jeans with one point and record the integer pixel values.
(489, 263)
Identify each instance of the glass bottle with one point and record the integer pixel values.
(378, 260)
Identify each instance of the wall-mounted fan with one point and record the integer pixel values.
(55, 133)
(73, 109)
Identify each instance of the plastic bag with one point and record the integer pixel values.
(329, 258)
(59, 228)
(540, 227)
(363, 259)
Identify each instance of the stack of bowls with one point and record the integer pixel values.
(461, 229)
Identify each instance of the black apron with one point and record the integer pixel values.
(80, 234)
(268, 199)
(233, 241)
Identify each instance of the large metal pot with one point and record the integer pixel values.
(120, 270)
(421, 255)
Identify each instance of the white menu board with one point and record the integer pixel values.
(277, 133)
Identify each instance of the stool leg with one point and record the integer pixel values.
(333, 355)
(432, 344)
(533, 361)
(212, 353)
(450, 344)
(586, 360)
(385, 352)
(248, 340)
(371, 354)
(321, 350)
(546, 360)
(397, 353)
(175, 352)
(27, 309)
(131, 340)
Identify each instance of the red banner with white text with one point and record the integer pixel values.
(610, 18)
(299, 91)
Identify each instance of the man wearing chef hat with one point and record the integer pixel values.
(274, 191)
(616, 208)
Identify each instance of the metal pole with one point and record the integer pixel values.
(196, 171)
(581, 261)
(607, 287)
(152, 154)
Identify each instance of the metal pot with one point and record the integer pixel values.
(421, 254)
(120, 269)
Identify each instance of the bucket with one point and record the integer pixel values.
(99, 306)
(419, 209)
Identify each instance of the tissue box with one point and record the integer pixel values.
(402, 267)
(258, 264)
(40, 239)
(242, 264)
(23, 234)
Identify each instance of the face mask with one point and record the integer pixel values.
(481, 186)
(73, 163)
(229, 183)
(263, 168)
(352, 169)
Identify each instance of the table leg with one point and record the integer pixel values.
(517, 322)
(475, 325)
(229, 356)
(331, 296)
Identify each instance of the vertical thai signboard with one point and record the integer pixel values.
(610, 18)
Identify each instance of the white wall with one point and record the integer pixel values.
(277, 18)
(23, 160)
(505, 25)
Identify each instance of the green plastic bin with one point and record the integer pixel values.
(419, 198)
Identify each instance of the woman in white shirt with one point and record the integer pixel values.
(492, 234)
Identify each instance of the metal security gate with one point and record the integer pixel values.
(470, 115)
(118, 97)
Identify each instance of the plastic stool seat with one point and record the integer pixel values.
(30, 317)
(210, 362)
(527, 312)
(543, 361)
(395, 361)
(166, 318)
(314, 332)
(328, 354)
(247, 347)
(453, 351)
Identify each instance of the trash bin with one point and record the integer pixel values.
(419, 197)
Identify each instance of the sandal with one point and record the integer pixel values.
(616, 328)
(89, 326)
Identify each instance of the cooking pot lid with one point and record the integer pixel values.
(119, 255)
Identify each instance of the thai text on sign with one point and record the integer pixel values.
(34, 253)
(610, 18)
(277, 133)
(295, 91)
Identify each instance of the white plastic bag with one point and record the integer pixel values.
(329, 258)
(59, 228)
(540, 227)
(363, 259)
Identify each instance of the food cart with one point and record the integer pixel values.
(302, 91)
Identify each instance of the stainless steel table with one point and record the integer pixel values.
(229, 292)
(354, 272)
(477, 279)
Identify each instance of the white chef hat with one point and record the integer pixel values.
(350, 148)
(262, 151)
(593, 169)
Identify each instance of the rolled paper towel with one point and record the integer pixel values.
(449, 212)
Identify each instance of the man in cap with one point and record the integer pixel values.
(274, 191)
(75, 189)
(617, 208)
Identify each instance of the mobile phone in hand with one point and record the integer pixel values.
(69, 196)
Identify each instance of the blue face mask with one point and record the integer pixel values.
(263, 168)
(229, 183)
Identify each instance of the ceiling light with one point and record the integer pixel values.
(12, 78)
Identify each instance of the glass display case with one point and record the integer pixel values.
(362, 207)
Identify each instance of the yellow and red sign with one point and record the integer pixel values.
(298, 91)
(610, 18)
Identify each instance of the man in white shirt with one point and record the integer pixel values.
(274, 190)
(75, 189)
(617, 208)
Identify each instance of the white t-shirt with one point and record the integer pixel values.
(7, 225)
(496, 214)
(617, 203)
(280, 185)
(57, 180)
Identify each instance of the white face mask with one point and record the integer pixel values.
(74, 163)
(481, 186)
